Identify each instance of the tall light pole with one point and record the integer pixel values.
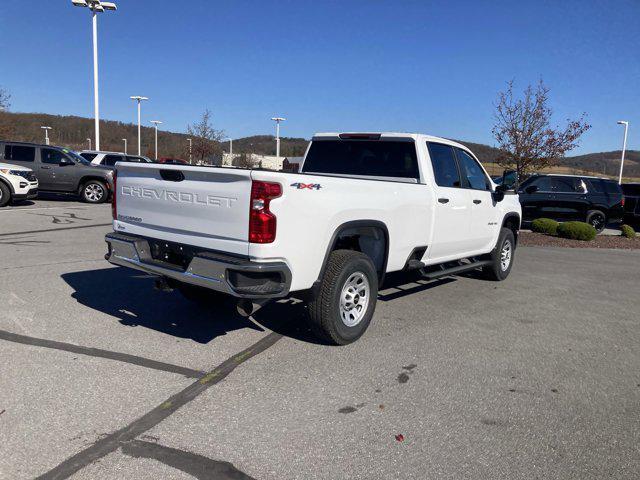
(278, 120)
(89, 140)
(139, 100)
(189, 140)
(624, 147)
(125, 145)
(155, 124)
(230, 147)
(46, 134)
(96, 6)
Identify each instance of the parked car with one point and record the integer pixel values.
(110, 158)
(172, 161)
(631, 193)
(363, 205)
(16, 183)
(61, 170)
(597, 201)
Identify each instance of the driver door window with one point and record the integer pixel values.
(52, 157)
(476, 178)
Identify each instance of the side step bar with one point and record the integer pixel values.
(455, 270)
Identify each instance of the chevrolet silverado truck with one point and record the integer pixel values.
(362, 205)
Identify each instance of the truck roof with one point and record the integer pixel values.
(390, 135)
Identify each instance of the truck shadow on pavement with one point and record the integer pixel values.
(130, 297)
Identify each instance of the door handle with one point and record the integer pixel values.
(477, 201)
(46, 168)
(443, 200)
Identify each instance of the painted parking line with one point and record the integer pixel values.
(98, 352)
(56, 229)
(112, 442)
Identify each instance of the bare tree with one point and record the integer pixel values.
(6, 128)
(523, 130)
(244, 160)
(206, 139)
(4, 100)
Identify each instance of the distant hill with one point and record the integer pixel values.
(73, 131)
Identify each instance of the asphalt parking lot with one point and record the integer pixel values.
(103, 377)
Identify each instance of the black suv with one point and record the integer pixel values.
(61, 170)
(631, 203)
(594, 200)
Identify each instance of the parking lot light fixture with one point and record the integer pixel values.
(46, 134)
(624, 147)
(278, 120)
(96, 6)
(89, 140)
(155, 124)
(125, 145)
(139, 99)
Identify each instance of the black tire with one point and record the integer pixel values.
(496, 271)
(5, 195)
(199, 295)
(597, 219)
(347, 273)
(94, 191)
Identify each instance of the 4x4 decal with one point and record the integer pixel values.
(310, 186)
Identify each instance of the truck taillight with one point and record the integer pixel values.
(114, 196)
(622, 202)
(262, 223)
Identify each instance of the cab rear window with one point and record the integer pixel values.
(375, 158)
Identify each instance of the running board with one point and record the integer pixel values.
(455, 270)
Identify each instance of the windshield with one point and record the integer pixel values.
(75, 157)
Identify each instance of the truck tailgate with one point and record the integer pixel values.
(203, 206)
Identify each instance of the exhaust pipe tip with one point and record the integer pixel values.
(245, 307)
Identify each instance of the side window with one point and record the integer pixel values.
(564, 185)
(132, 159)
(88, 156)
(445, 169)
(473, 171)
(19, 153)
(111, 160)
(543, 184)
(48, 155)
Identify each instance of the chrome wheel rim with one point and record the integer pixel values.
(597, 222)
(505, 255)
(354, 299)
(93, 192)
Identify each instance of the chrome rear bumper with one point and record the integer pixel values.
(224, 273)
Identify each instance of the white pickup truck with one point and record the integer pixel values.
(362, 205)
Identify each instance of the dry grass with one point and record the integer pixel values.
(495, 169)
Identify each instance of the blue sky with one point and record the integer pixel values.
(431, 67)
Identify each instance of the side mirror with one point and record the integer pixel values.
(65, 162)
(498, 194)
(531, 189)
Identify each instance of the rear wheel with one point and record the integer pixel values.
(597, 220)
(501, 257)
(343, 307)
(94, 191)
(5, 195)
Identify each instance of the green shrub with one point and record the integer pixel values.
(545, 225)
(628, 231)
(577, 231)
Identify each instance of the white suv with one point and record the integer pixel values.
(16, 183)
(110, 158)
